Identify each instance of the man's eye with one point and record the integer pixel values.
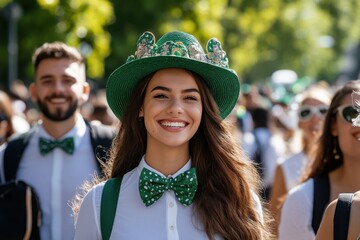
(69, 80)
(46, 82)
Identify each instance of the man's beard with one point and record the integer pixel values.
(59, 114)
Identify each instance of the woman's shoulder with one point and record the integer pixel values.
(300, 195)
(325, 230)
(295, 157)
(354, 228)
(304, 188)
(294, 161)
(326, 227)
(95, 191)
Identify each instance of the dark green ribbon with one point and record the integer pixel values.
(152, 186)
(47, 145)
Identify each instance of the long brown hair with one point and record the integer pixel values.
(224, 201)
(325, 161)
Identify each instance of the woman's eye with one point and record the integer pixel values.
(192, 98)
(160, 96)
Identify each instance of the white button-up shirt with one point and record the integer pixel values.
(166, 219)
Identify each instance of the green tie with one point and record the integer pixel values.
(47, 145)
(152, 186)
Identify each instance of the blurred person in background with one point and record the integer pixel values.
(283, 124)
(265, 142)
(99, 110)
(263, 147)
(312, 109)
(20, 98)
(6, 118)
(334, 170)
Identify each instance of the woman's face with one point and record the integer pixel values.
(348, 135)
(313, 112)
(172, 108)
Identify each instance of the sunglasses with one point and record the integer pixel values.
(348, 113)
(306, 112)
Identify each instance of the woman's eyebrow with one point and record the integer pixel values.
(161, 88)
(169, 90)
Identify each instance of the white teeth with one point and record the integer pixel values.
(173, 124)
(58, 100)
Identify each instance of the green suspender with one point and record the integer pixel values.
(109, 199)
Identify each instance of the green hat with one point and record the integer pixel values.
(174, 50)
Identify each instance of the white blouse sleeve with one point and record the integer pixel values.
(296, 213)
(258, 207)
(87, 225)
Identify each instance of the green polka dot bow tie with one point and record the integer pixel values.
(47, 145)
(152, 186)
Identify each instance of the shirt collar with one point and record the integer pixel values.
(143, 164)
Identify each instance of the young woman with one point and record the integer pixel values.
(327, 231)
(313, 106)
(335, 169)
(171, 98)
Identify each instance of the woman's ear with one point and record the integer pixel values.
(334, 130)
(141, 112)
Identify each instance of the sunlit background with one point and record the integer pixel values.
(307, 40)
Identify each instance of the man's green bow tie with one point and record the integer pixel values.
(47, 145)
(152, 186)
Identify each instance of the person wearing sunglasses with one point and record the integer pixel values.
(313, 106)
(345, 210)
(334, 170)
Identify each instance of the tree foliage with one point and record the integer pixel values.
(80, 23)
(259, 36)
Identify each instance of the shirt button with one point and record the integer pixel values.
(172, 227)
(171, 204)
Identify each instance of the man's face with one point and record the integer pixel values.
(59, 88)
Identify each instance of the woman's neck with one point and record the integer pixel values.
(167, 160)
(346, 178)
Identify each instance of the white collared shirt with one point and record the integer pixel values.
(166, 219)
(57, 177)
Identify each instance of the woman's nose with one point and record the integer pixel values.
(175, 106)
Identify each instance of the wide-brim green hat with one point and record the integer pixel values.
(175, 50)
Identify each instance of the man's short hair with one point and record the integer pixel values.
(56, 50)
